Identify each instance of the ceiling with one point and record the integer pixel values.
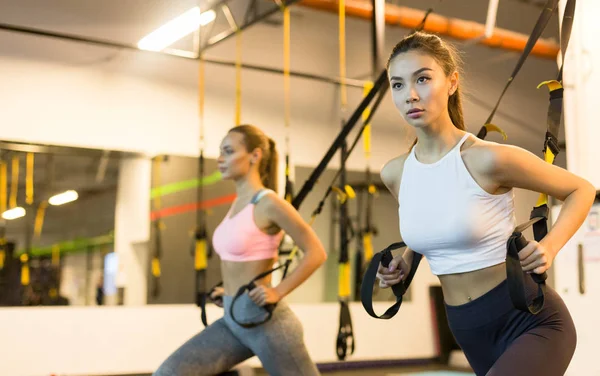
(314, 50)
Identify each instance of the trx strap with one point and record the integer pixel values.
(29, 179)
(539, 214)
(201, 254)
(14, 182)
(538, 29)
(514, 272)
(238, 78)
(366, 292)
(365, 234)
(289, 188)
(311, 181)
(345, 337)
(39, 219)
(158, 226)
(252, 285)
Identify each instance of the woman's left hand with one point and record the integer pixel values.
(263, 295)
(536, 258)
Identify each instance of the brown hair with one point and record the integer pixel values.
(255, 138)
(446, 56)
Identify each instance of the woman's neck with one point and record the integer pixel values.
(247, 186)
(436, 139)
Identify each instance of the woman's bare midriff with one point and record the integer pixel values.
(462, 288)
(236, 274)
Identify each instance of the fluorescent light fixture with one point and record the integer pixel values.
(490, 22)
(63, 198)
(176, 29)
(14, 213)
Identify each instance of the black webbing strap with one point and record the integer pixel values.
(539, 214)
(514, 272)
(200, 248)
(345, 332)
(538, 29)
(366, 292)
(337, 143)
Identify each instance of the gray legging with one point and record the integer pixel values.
(279, 344)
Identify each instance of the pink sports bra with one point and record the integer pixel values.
(239, 239)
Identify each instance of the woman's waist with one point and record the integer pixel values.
(236, 274)
(462, 288)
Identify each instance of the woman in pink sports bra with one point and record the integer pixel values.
(247, 242)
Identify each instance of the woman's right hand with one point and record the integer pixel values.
(396, 272)
(216, 296)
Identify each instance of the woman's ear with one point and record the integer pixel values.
(453, 83)
(255, 156)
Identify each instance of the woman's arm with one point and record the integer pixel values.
(515, 167)
(286, 217)
(391, 175)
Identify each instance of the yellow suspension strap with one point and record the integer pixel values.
(14, 183)
(29, 179)
(289, 187)
(2, 246)
(369, 230)
(553, 119)
(3, 198)
(345, 338)
(158, 227)
(365, 233)
(55, 271)
(26, 257)
(538, 29)
(238, 78)
(201, 253)
(39, 219)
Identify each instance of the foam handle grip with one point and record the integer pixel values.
(521, 243)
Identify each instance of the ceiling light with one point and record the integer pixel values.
(14, 213)
(176, 29)
(63, 198)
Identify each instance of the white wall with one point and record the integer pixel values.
(122, 340)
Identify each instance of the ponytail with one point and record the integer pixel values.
(269, 178)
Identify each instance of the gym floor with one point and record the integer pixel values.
(396, 371)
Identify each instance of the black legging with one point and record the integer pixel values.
(499, 340)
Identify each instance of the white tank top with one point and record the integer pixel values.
(448, 218)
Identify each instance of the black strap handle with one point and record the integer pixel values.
(366, 292)
(514, 271)
(345, 336)
(269, 308)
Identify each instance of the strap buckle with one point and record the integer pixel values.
(540, 212)
(551, 142)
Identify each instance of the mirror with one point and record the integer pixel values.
(58, 213)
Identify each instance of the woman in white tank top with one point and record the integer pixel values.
(456, 208)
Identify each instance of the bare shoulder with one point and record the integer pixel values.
(391, 173)
(271, 203)
(483, 157)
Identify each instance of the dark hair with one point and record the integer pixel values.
(255, 138)
(446, 56)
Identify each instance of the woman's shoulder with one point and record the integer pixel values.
(391, 173)
(485, 156)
